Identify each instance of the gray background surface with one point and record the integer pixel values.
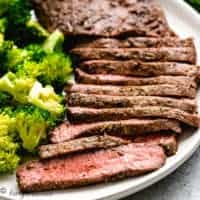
(183, 184)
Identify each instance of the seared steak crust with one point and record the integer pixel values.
(102, 79)
(135, 42)
(132, 127)
(82, 114)
(147, 90)
(76, 17)
(164, 54)
(94, 167)
(136, 68)
(80, 145)
(106, 101)
(167, 141)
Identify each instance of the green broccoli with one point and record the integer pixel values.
(5, 99)
(9, 159)
(46, 98)
(32, 124)
(19, 88)
(54, 43)
(195, 4)
(17, 13)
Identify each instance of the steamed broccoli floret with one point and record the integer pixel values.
(7, 123)
(8, 162)
(32, 124)
(18, 14)
(46, 98)
(8, 147)
(19, 88)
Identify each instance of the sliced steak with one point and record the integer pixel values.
(135, 68)
(94, 167)
(132, 127)
(184, 54)
(134, 42)
(167, 141)
(80, 145)
(83, 115)
(147, 90)
(76, 17)
(102, 79)
(106, 101)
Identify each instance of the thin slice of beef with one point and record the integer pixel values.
(136, 68)
(84, 115)
(132, 127)
(134, 42)
(184, 54)
(102, 79)
(167, 141)
(80, 145)
(106, 101)
(87, 168)
(183, 90)
(103, 18)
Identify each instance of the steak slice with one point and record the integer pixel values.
(102, 79)
(87, 168)
(83, 115)
(79, 145)
(136, 68)
(132, 127)
(134, 42)
(76, 17)
(105, 101)
(147, 90)
(167, 141)
(184, 54)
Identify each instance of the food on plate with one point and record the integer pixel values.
(134, 86)
(80, 145)
(132, 128)
(134, 42)
(107, 101)
(91, 167)
(82, 114)
(164, 54)
(137, 18)
(165, 90)
(102, 79)
(137, 68)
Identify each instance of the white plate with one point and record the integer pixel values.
(186, 22)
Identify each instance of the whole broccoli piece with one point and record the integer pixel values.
(32, 124)
(47, 99)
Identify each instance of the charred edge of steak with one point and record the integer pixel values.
(119, 162)
(80, 145)
(166, 140)
(85, 115)
(134, 42)
(106, 101)
(99, 79)
(137, 68)
(183, 55)
(132, 127)
(183, 90)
